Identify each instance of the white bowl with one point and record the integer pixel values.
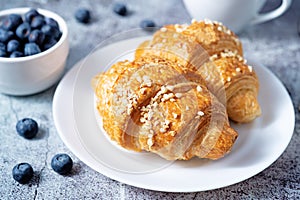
(35, 73)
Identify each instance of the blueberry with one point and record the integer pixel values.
(16, 54)
(83, 15)
(13, 45)
(22, 172)
(62, 163)
(147, 24)
(49, 42)
(51, 22)
(120, 9)
(31, 49)
(27, 128)
(37, 37)
(37, 22)
(30, 15)
(2, 46)
(11, 22)
(5, 36)
(50, 31)
(3, 53)
(23, 31)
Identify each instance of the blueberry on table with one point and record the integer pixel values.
(62, 163)
(11, 22)
(31, 14)
(147, 24)
(3, 53)
(120, 9)
(37, 22)
(31, 49)
(83, 15)
(5, 35)
(27, 128)
(23, 30)
(16, 54)
(37, 37)
(22, 173)
(13, 45)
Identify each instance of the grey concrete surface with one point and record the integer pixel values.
(276, 44)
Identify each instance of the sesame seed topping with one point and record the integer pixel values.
(200, 113)
(172, 133)
(163, 89)
(193, 21)
(213, 57)
(143, 90)
(238, 69)
(162, 130)
(142, 119)
(178, 95)
(250, 68)
(170, 87)
(228, 79)
(199, 89)
(175, 115)
(150, 142)
(172, 100)
(163, 29)
(187, 107)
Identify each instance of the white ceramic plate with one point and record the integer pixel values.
(259, 143)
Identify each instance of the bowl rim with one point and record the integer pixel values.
(47, 13)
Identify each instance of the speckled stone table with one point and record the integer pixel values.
(275, 44)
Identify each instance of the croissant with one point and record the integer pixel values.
(214, 52)
(152, 104)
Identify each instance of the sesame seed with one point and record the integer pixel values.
(250, 68)
(175, 115)
(228, 79)
(193, 21)
(199, 89)
(150, 142)
(162, 130)
(143, 90)
(200, 113)
(178, 95)
(238, 69)
(172, 100)
(163, 29)
(163, 89)
(187, 107)
(170, 87)
(172, 133)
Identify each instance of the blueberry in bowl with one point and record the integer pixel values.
(33, 50)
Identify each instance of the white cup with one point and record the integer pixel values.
(235, 14)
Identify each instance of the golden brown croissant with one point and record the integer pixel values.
(152, 104)
(215, 52)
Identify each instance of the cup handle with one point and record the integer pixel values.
(285, 4)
